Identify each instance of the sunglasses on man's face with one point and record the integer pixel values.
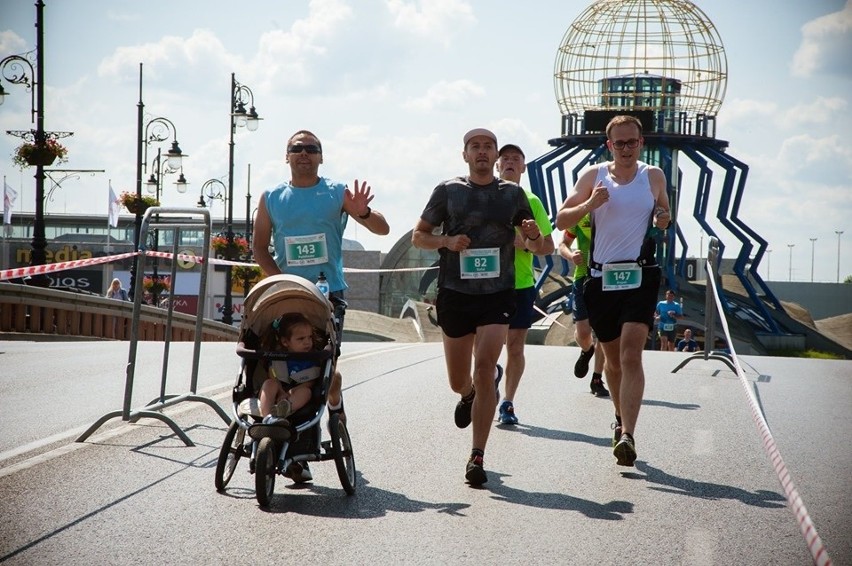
(299, 148)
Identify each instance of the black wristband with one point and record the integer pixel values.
(533, 239)
(366, 216)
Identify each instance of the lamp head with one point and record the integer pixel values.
(252, 120)
(181, 183)
(240, 115)
(175, 156)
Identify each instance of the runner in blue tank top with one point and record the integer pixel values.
(304, 219)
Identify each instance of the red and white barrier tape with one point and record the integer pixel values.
(29, 271)
(549, 317)
(59, 266)
(814, 542)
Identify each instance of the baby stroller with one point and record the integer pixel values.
(271, 455)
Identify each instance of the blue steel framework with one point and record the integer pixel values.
(549, 180)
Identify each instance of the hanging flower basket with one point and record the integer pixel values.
(239, 248)
(30, 154)
(245, 272)
(158, 285)
(136, 205)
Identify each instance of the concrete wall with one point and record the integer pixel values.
(363, 292)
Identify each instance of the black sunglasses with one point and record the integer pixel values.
(298, 148)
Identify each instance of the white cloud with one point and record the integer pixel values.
(826, 44)
(806, 151)
(823, 110)
(436, 20)
(11, 42)
(171, 53)
(743, 108)
(446, 95)
(289, 59)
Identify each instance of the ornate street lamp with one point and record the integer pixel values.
(17, 69)
(213, 190)
(238, 118)
(159, 169)
(156, 130)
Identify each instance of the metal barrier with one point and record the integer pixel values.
(175, 219)
(710, 314)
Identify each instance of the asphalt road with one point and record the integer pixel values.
(703, 491)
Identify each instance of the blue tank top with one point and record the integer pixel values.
(308, 212)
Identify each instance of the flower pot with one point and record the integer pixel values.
(41, 156)
(136, 207)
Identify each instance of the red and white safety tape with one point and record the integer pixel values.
(814, 542)
(29, 271)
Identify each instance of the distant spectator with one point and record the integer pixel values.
(687, 343)
(116, 291)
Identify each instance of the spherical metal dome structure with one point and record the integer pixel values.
(660, 55)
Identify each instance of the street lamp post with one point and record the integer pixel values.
(238, 118)
(769, 265)
(839, 233)
(14, 69)
(249, 232)
(813, 241)
(156, 130)
(154, 185)
(791, 261)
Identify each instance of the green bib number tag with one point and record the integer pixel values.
(621, 276)
(482, 263)
(306, 250)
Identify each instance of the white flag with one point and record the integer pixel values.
(9, 196)
(114, 207)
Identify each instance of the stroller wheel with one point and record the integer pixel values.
(344, 458)
(229, 455)
(264, 475)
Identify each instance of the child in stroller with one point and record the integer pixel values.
(288, 387)
(275, 313)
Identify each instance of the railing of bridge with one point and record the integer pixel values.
(50, 312)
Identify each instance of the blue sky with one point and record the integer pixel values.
(390, 86)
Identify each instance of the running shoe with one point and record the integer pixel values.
(625, 451)
(475, 473)
(463, 408)
(507, 413)
(597, 387)
(617, 436)
(581, 368)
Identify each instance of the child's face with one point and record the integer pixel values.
(301, 339)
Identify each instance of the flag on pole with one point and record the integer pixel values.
(114, 207)
(9, 196)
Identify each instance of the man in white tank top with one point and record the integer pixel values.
(625, 197)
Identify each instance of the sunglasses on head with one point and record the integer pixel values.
(298, 148)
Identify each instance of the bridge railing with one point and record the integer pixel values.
(35, 310)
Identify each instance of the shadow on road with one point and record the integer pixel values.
(706, 490)
(368, 503)
(612, 511)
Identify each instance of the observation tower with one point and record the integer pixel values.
(663, 62)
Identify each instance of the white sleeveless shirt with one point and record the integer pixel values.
(620, 225)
